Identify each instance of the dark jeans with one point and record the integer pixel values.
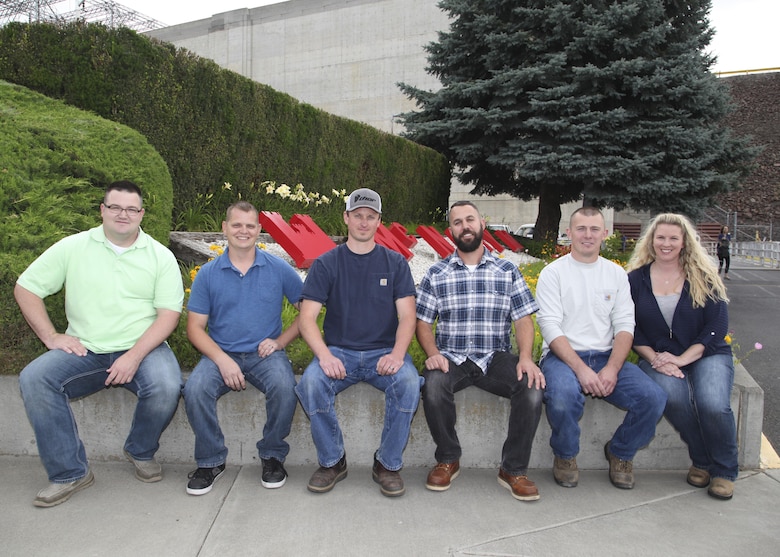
(724, 257)
(501, 379)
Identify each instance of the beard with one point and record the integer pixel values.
(471, 245)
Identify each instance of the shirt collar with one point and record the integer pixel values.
(223, 261)
(487, 258)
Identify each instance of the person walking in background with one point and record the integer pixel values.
(474, 298)
(234, 320)
(681, 324)
(587, 323)
(724, 251)
(123, 298)
(368, 293)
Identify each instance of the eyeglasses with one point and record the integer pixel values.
(116, 210)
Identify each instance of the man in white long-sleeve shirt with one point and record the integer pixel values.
(587, 323)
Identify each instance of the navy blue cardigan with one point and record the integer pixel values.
(707, 325)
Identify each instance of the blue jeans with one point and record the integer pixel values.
(699, 408)
(50, 381)
(272, 375)
(501, 379)
(634, 392)
(317, 393)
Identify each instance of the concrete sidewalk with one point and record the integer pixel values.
(121, 516)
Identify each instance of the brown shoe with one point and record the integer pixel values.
(440, 478)
(698, 477)
(565, 472)
(621, 472)
(721, 488)
(324, 479)
(519, 486)
(390, 482)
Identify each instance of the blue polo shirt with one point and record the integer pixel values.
(244, 309)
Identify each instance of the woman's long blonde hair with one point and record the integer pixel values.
(696, 264)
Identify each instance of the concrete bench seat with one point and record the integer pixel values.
(104, 419)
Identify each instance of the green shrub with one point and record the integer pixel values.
(213, 126)
(55, 162)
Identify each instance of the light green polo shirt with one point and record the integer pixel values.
(110, 299)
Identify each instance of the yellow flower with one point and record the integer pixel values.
(227, 186)
(283, 191)
(262, 245)
(727, 338)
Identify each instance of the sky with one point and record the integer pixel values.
(743, 38)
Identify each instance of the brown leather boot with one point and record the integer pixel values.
(324, 478)
(390, 482)
(440, 478)
(519, 486)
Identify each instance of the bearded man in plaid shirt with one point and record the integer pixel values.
(474, 298)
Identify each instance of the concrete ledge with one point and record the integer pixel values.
(105, 418)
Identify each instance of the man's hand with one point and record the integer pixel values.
(122, 370)
(333, 367)
(66, 343)
(231, 374)
(267, 347)
(388, 365)
(437, 361)
(608, 376)
(591, 383)
(535, 375)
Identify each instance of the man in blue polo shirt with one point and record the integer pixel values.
(123, 297)
(234, 320)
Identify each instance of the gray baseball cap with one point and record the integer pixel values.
(364, 197)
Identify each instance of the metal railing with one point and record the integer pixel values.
(765, 254)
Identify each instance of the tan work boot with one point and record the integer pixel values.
(698, 477)
(721, 488)
(621, 472)
(565, 472)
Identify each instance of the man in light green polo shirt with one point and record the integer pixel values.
(123, 298)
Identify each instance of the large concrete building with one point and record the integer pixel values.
(343, 56)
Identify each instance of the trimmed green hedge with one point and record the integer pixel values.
(212, 125)
(55, 163)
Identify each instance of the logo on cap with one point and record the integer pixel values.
(364, 197)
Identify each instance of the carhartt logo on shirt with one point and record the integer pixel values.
(383, 282)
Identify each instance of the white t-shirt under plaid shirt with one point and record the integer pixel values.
(475, 308)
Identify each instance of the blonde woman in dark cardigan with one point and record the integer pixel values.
(681, 324)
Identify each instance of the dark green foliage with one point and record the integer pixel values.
(213, 126)
(611, 100)
(55, 162)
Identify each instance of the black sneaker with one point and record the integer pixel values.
(202, 479)
(274, 474)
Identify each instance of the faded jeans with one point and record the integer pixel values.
(699, 408)
(52, 380)
(272, 375)
(634, 392)
(317, 393)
